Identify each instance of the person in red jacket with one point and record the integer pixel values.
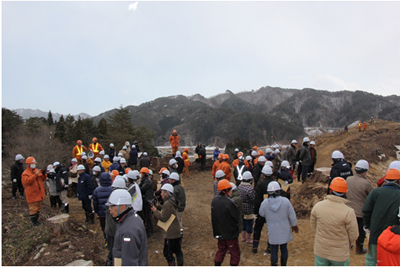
(388, 249)
(174, 140)
(32, 180)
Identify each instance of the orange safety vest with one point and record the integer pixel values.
(95, 147)
(79, 151)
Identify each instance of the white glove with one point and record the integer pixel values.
(14, 180)
(366, 230)
(297, 163)
(286, 182)
(90, 196)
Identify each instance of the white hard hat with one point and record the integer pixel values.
(49, 167)
(266, 170)
(306, 139)
(248, 158)
(254, 153)
(83, 153)
(337, 155)
(120, 197)
(19, 157)
(97, 159)
(233, 186)
(236, 149)
(115, 159)
(394, 165)
(96, 168)
(52, 170)
(294, 141)
(174, 176)
(168, 187)
(134, 175)
(219, 174)
(247, 175)
(56, 163)
(145, 154)
(166, 172)
(150, 172)
(273, 186)
(74, 160)
(133, 146)
(120, 154)
(312, 143)
(362, 164)
(119, 182)
(262, 159)
(80, 167)
(268, 150)
(285, 163)
(124, 148)
(122, 160)
(112, 145)
(106, 156)
(84, 157)
(101, 152)
(269, 163)
(277, 151)
(241, 158)
(172, 162)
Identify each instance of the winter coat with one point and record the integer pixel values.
(95, 181)
(291, 155)
(145, 162)
(62, 178)
(279, 216)
(133, 156)
(358, 189)
(225, 217)
(137, 200)
(113, 166)
(226, 168)
(33, 184)
(16, 171)
(130, 241)
(381, 209)
(85, 186)
(111, 154)
(101, 194)
(73, 173)
(146, 188)
(335, 227)
(52, 185)
(239, 203)
(202, 153)
(181, 164)
(270, 157)
(341, 168)
(388, 248)
(261, 190)
(313, 154)
(215, 168)
(169, 207)
(125, 154)
(185, 158)
(106, 165)
(216, 154)
(237, 173)
(248, 196)
(284, 174)
(174, 140)
(305, 155)
(179, 195)
(121, 170)
(111, 224)
(257, 173)
(276, 163)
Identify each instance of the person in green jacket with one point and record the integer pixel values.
(381, 210)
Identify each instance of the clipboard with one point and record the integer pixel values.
(283, 186)
(165, 225)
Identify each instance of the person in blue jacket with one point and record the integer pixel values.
(100, 197)
(216, 153)
(85, 193)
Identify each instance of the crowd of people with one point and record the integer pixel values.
(249, 192)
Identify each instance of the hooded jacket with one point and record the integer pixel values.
(179, 195)
(388, 248)
(341, 168)
(85, 186)
(225, 218)
(169, 207)
(279, 215)
(335, 227)
(291, 155)
(62, 178)
(33, 184)
(133, 156)
(101, 194)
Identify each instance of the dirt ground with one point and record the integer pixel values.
(21, 242)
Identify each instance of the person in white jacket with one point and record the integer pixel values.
(134, 190)
(280, 217)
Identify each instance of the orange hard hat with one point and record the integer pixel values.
(339, 185)
(79, 142)
(220, 156)
(127, 170)
(162, 169)
(224, 184)
(392, 174)
(260, 153)
(226, 156)
(144, 170)
(30, 160)
(187, 149)
(240, 154)
(174, 131)
(114, 173)
(255, 147)
(94, 139)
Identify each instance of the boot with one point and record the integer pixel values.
(33, 219)
(244, 236)
(360, 250)
(248, 239)
(217, 263)
(66, 209)
(255, 246)
(91, 218)
(87, 216)
(171, 263)
(283, 261)
(274, 263)
(37, 218)
(109, 263)
(179, 260)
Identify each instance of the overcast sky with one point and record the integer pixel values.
(73, 57)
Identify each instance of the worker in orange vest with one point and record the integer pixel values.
(77, 151)
(95, 147)
(174, 140)
(359, 126)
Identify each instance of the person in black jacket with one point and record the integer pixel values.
(133, 158)
(180, 162)
(225, 218)
(284, 174)
(16, 171)
(257, 169)
(261, 190)
(111, 152)
(62, 179)
(146, 188)
(85, 193)
(340, 167)
(202, 157)
(145, 161)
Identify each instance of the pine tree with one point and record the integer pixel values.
(10, 120)
(60, 130)
(50, 120)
